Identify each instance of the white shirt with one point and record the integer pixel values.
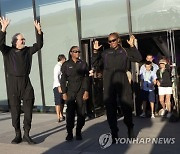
(57, 75)
(148, 78)
(143, 69)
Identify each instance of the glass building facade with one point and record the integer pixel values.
(66, 22)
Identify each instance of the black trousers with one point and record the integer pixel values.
(15, 106)
(20, 90)
(75, 104)
(117, 85)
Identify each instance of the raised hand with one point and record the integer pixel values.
(96, 45)
(131, 40)
(4, 23)
(38, 26)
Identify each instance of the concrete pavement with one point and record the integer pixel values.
(50, 136)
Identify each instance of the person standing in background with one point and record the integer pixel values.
(154, 68)
(59, 102)
(164, 83)
(148, 80)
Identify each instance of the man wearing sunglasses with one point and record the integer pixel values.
(75, 87)
(115, 62)
(18, 60)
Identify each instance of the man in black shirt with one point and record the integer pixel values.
(18, 60)
(75, 87)
(115, 62)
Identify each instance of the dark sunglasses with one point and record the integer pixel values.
(76, 51)
(23, 39)
(110, 41)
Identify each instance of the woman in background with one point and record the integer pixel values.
(164, 86)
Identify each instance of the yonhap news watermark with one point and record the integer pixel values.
(105, 140)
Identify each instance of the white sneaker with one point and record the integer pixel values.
(152, 115)
(169, 115)
(143, 115)
(163, 112)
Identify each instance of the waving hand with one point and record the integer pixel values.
(4, 23)
(38, 26)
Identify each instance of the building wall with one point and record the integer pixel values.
(60, 33)
(59, 24)
(101, 17)
(155, 15)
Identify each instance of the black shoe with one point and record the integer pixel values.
(62, 118)
(28, 140)
(78, 134)
(69, 137)
(78, 137)
(131, 133)
(114, 138)
(16, 140)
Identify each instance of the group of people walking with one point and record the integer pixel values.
(74, 83)
(156, 80)
(71, 82)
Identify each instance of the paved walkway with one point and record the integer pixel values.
(50, 137)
